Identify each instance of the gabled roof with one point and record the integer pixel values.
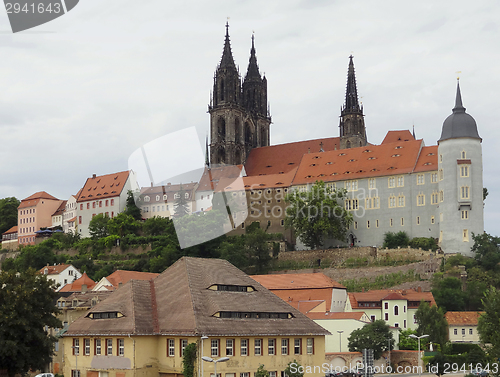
(428, 159)
(11, 230)
(60, 209)
(216, 174)
(398, 136)
(463, 318)
(361, 162)
(336, 315)
(378, 295)
(54, 270)
(257, 182)
(103, 186)
(279, 159)
(33, 200)
(123, 276)
(183, 300)
(76, 286)
(393, 296)
(296, 281)
(85, 299)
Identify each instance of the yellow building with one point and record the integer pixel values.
(462, 326)
(143, 327)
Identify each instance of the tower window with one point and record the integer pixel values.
(464, 170)
(463, 155)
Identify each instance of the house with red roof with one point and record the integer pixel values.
(61, 274)
(35, 212)
(462, 326)
(69, 215)
(104, 194)
(82, 284)
(9, 239)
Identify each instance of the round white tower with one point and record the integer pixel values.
(460, 181)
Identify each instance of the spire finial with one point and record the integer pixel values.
(227, 27)
(253, 68)
(414, 132)
(459, 108)
(227, 56)
(351, 95)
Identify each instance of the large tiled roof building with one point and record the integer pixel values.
(400, 185)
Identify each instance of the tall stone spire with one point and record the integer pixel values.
(227, 60)
(352, 123)
(253, 68)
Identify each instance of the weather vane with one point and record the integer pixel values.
(458, 74)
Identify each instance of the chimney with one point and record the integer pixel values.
(419, 289)
(84, 288)
(93, 175)
(404, 292)
(120, 284)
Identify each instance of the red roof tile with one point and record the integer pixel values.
(360, 162)
(123, 276)
(103, 186)
(11, 230)
(336, 315)
(296, 281)
(428, 159)
(54, 270)
(379, 295)
(33, 200)
(215, 174)
(463, 318)
(60, 209)
(398, 136)
(282, 158)
(76, 286)
(257, 182)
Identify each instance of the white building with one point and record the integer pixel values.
(61, 274)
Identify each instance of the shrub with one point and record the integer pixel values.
(393, 240)
(426, 243)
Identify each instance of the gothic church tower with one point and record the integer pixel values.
(352, 123)
(239, 119)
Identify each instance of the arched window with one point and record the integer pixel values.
(237, 131)
(222, 129)
(396, 310)
(222, 89)
(248, 134)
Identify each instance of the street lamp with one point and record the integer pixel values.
(389, 349)
(210, 360)
(418, 337)
(340, 338)
(201, 353)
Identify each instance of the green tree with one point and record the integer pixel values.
(318, 213)
(486, 250)
(181, 207)
(8, 213)
(131, 208)
(431, 321)
(261, 372)
(26, 307)
(188, 360)
(98, 226)
(393, 240)
(122, 224)
(489, 323)
(293, 369)
(448, 294)
(407, 343)
(157, 226)
(375, 336)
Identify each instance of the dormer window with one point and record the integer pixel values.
(165, 197)
(157, 198)
(253, 315)
(231, 288)
(105, 315)
(146, 198)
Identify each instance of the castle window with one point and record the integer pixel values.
(420, 179)
(391, 223)
(441, 196)
(464, 170)
(401, 181)
(465, 235)
(433, 220)
(402, 221)
(146, 198)
(464, 191)
(376, 223)
(401, 201)
(463, 155)
(371, 183)
(392, 182)
(392, 201)
(434, 178)
(355, 225)
(157, 198)
(351, 204)
(420, 200)
(418, 220)
(434, 198)
(465, 215)
(441, 174)
(368, 224)
(165, 197)
(351, 185)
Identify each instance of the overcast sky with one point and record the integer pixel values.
(81, 93)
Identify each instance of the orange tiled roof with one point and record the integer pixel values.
(428, 159)
(394, 296)
(360, 162)
(33, 200)
(297, 281)
(336, 315)
(72, 220)
(463, 318)
(76, 286)
(378, 295)
(123, 276)
(11, 230)
(282, 158)
(216, 174)
(54, 270)
(257, 182)
(398, 136)
(103, 186)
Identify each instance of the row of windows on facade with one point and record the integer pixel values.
(27, 240)
(27, 220)
(95, 214)
(26, 211)
(455, 331)
(101, 347)
(99, 203)
(147, 198)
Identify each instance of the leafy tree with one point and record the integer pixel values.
(318, 213)
(123, 224)
(188, 360)
(486, 250)
(33, 256)
(26, 307)
(8, 213)
(375, 336)
(261, 372)
(431, 321)
(393, 240)
(98, 226)
(448, 294)
(181, 207)
(156, 226)
(292, 369)
(489, 323)
(131, 208)
(426, 243)
(407, 343)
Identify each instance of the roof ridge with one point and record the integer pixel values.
(133, 306)
(154, 307)
(191, 300)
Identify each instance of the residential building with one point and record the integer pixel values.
(161, 200)
(396, 307)
(61, 274)
(104, 194)
(35, 212)
(82, 284)
(462, 326)
(399, 185)
(9, 239)
(70, 214)
(120, 277)
(307, 292)
(57, 216)
(142, 328)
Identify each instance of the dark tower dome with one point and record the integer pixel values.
(459, 123)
